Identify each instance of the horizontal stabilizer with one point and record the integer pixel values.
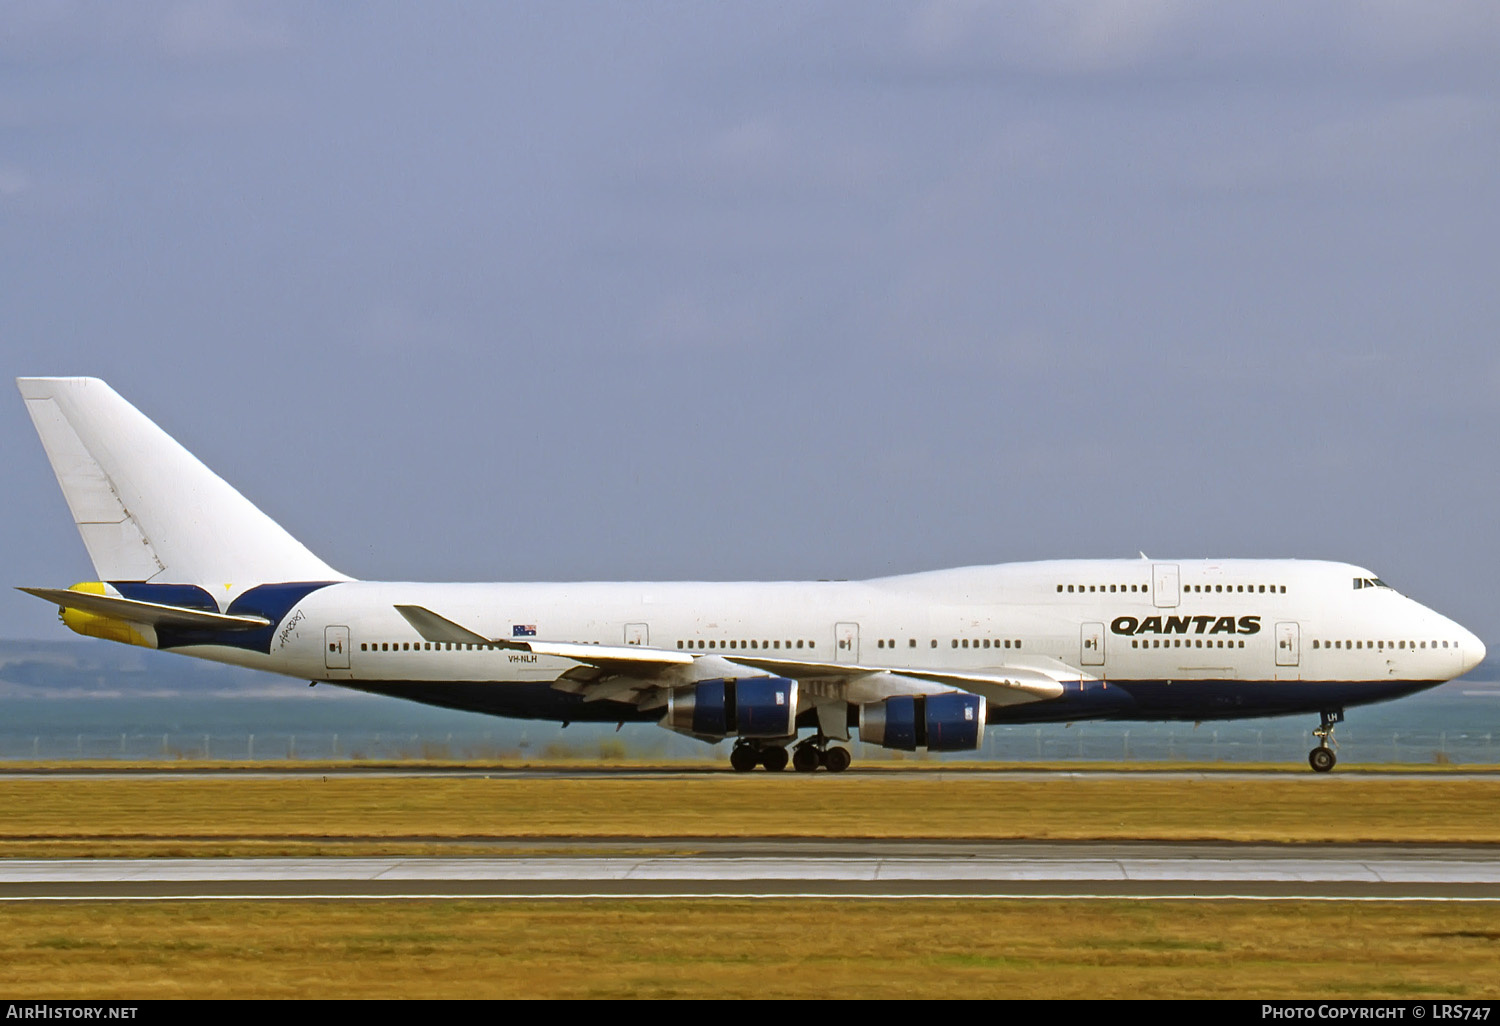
(616, 658)
(153, 613)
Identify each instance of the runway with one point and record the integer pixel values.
(741, 870)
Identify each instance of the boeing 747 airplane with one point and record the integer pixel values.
(787, 668)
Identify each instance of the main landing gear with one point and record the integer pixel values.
(806, 758)
(1321, 758)
(815, 752)
(747, 755)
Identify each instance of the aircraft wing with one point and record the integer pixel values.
(636, 659)
(643, 670)
(1007, 685)
(154, 613)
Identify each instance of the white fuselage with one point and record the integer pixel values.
(1134, 623)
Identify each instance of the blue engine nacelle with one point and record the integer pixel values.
(749, 707)
(952, 722)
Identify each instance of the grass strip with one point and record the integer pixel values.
(305, 815)
(728, 949)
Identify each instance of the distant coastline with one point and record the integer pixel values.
(89, 669)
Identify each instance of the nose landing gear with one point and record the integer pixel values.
(1321, 758)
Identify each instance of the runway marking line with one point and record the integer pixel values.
(733, 896)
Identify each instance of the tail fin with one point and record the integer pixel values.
(147, 509)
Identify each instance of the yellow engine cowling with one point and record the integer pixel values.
(95, 625)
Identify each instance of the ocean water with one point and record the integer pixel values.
(1457, 723)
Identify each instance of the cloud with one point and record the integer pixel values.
(53, 31)
(683, 322)
(391, 329)
(1108, 37)
(1431, 140)
(1057, 35)
(13, 180)
(221, 27)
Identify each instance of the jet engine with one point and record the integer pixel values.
(759, 707)
(952, 722)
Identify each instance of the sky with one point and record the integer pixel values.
(559, 291)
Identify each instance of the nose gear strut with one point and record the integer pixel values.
(1321, 758)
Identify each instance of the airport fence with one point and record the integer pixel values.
(1142, 743)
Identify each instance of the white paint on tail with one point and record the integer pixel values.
(148, 509)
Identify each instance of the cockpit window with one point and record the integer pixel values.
(1369, 582)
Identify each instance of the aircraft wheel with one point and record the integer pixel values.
(774, 758)
(1321, 759)
(743, 758)
(837, 759)
(805, 759)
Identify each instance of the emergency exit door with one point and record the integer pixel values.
(1092, 644)
(846, 643)
(1288, 644)
(336, 648)
(1165, 585)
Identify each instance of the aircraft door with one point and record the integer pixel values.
(336, 648)
(1164, 585)
(846, 643)
(1288, 644)
(637, 634)
(1092, 644)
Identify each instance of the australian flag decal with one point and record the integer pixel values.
(523, 630)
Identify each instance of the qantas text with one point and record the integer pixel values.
(1185, 625)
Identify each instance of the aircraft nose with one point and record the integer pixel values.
(1472, 650)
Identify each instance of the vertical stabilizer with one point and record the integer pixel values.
(148, 509)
